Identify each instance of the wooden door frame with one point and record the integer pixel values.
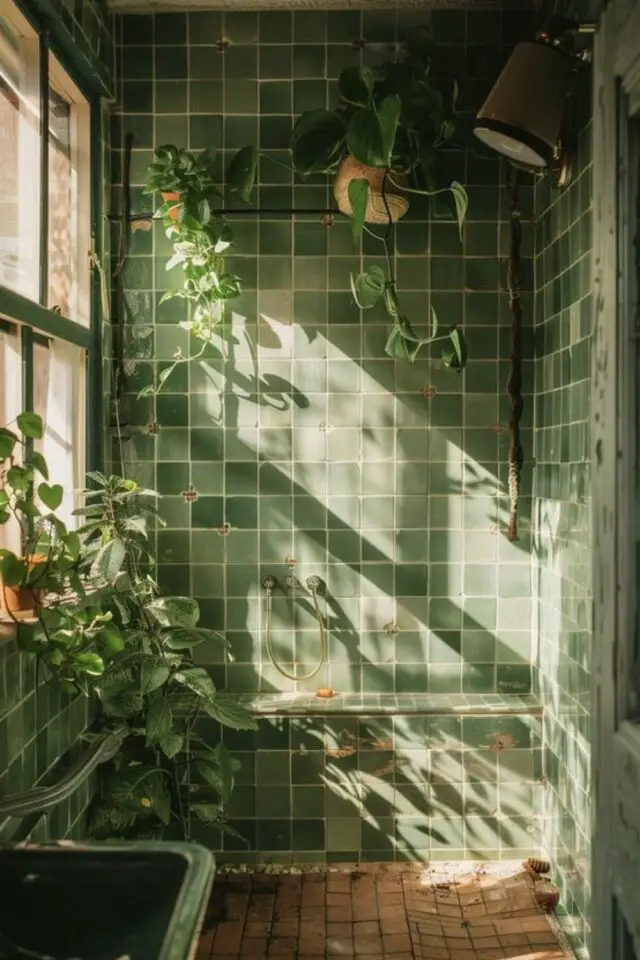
(616, 97)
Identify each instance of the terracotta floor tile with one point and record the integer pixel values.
(377, 912)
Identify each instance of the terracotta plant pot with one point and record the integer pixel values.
(23, 599)
(168, 196)
(351, 169)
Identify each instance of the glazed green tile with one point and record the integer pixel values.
(307, 768)
(170, 28)
(275, 26)
(276, 61)
(205, 27)
(138, 64)
(309, 61)
(309, 94)
(205, 63)
(241, 26)
(308, 834)
(205, 131)
(170, 63)
(240, 62)
(205, 96)
(273, 802)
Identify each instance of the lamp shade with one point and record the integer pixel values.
(522, 115)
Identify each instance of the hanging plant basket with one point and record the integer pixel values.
(170, 196)
(23, 599)
(351, 169)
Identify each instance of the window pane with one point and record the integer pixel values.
(10, 406)
(20, 153)
(59, 398)
(69, 205)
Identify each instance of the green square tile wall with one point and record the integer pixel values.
(351, 789)
(298, 446)
(561, 489)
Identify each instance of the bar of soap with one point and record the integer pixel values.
(325, 693)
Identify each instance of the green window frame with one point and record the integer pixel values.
(33, 320)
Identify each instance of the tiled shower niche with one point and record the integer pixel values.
(297, 446)
(344, 788)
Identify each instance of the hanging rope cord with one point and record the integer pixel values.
(514, 384)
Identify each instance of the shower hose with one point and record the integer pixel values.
(269, 584)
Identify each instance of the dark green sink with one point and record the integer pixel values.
(143, 901)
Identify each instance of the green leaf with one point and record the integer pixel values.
(317, 142)
(456, 356)
(18, 478)
(8, 441)
(461, 201)
(12, 569)
(358, 192)
(38, 462)
(388, 117)
(355, 85)
(162, 807)
(108, 561)
(110, 639)
(159, 721)
(364, 138)
(368, 287)
(207, 812)
(51, 495)
(241, 173)
(226, 770)
(184, 638)
(137, 787)
(171, 745)
(198, 681)
(171, 611)
(30, 425)
(123, 703)
(230, 713)
(153, 674)
(89, 663)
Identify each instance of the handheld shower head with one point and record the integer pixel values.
(269, 583)
(314, 583)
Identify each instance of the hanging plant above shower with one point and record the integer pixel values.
(200, 237)
(382, 142)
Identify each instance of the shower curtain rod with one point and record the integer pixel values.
(259, 212)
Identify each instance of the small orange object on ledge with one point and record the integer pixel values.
(326, 693)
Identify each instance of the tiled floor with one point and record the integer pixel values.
(403, 912)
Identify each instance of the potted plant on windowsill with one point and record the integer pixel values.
(381, 144)
(48, 552)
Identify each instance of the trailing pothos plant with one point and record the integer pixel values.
(166, 773)
(396, 118)
(200, 237)
(104, 631)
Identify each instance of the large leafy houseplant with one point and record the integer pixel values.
(385, 138)
(200, 236)
(166, 774)
(104, 631)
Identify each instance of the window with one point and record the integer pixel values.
(10, 402)
(45, 239)
(59, 374)
(68, 213)
(20, 145)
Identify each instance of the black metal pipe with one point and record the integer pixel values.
(259, 212)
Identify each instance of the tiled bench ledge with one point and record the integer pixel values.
(371, 704)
